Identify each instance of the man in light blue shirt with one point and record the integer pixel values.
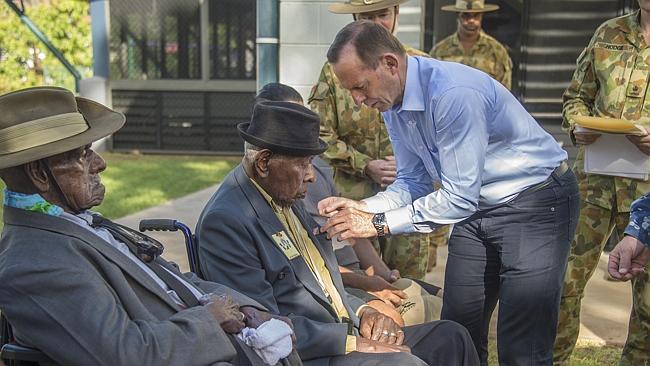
(505, 184)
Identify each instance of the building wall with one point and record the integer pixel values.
(307, 28)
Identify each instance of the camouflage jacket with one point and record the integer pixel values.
(611, 80)
(487, 55)
(355, 134)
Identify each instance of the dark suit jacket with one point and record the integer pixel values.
(82, 302)
(236, 246)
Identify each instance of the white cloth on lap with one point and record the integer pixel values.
(271, 340)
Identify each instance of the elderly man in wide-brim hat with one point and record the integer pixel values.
(471, 46)
(75, 285)
(256, 235)
(359, 149)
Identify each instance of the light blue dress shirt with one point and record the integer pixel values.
(458, 126)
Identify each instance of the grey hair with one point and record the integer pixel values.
(250, 151)
(370, 41)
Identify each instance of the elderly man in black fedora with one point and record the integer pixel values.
(86, 291)
(256, 236)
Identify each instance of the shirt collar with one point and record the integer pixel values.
(31, 202)
(633, 29)
(413, 98)
(267, 197)
(482, 40)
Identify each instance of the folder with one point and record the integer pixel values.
(612, 153)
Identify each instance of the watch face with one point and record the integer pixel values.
(379, 219)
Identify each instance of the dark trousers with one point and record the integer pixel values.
(246, 356)
(440, 343)
(516, 254)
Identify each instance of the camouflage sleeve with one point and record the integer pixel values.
(579, 97)
(506, 77)
(339, 154)
(639, 226)
(435, 51)
(415, 52)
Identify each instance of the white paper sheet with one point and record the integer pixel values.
(615, 155)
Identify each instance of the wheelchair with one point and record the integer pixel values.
(14, 354)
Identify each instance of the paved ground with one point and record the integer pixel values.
(605, 309)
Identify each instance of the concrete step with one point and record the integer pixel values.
(568, 21)
(547, 73)
(544, 105)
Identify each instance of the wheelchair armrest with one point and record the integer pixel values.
(16, 352)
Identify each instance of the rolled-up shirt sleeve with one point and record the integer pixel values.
(461, 139)
(639, 226)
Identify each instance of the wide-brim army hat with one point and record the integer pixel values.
(470, 6)
(363, 6)
(40, 122)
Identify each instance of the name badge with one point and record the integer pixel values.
(285, 244)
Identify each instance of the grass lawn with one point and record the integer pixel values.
(585, 354)
(136, 182)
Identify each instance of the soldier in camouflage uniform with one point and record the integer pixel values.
(611, 80)
(473, 47)
(359, 149)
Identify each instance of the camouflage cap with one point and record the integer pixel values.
(363, 6)
(470, 6)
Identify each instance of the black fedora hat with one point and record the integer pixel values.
(284, 128)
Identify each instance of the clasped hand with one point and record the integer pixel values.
(628, 259)
(233, 319)
(347, 219)
(379, 333)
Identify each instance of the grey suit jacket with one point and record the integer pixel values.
(235, 235)
(72, 295)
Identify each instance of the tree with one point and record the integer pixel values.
(24, 59)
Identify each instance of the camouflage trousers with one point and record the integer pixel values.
(407, 253)
(414, 255)
(595, 225)
(438, 238)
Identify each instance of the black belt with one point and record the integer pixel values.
(557, 173)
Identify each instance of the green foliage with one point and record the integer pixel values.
(24, 59)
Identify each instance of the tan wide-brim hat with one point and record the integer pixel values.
(470, 6)
(39, 122)
(363, 6)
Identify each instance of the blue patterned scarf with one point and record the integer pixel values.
(31, 202)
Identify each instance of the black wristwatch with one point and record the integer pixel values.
(379, 222)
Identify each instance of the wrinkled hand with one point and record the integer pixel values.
(255, 318)
(382, 289)
(387, 309)
(329, 206)
(378, 327)
(350, 223)
(628, 259)
(226, 312)
(585, 138)
(370, 346)
(382, 171)
(642, 142)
